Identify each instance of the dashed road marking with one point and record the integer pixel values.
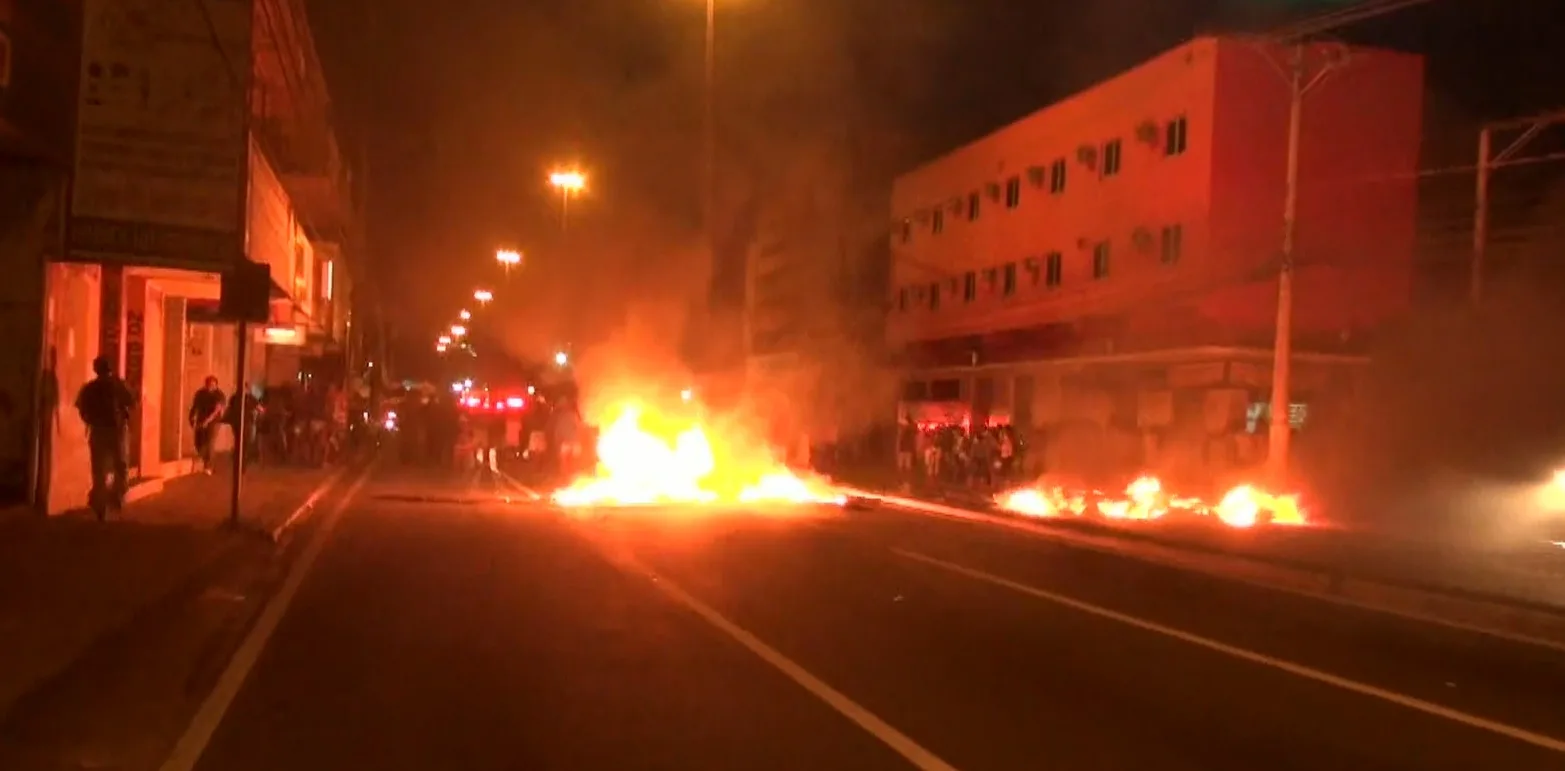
(900, 743)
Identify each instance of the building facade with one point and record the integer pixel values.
(1066, 270)
(202, 137)
(39, 44)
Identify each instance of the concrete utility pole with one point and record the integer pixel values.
(1488, 161)
(709, 134)
(1280, 426)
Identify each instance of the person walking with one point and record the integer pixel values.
(206, 410)
(105, 405)
(244, 400)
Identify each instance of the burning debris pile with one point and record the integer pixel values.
(648, 457)
(1145, 499)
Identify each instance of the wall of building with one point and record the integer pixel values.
(1180, 243)
(1025, 210)
(29, 196)
(71, 321)
(1359, 148)
(270, 229)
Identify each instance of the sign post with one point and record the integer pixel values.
(246, 293)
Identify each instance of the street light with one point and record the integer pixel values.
(444, 340)
(464, 314)
(508, 258)
(483, 296)
(561, 359)
(569, 182)
(457, 330)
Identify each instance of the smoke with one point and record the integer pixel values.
(1459, 408)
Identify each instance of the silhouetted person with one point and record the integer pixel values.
(206, 411)
(105, 404)
(246, 401)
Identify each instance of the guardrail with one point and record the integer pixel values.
(1521, 620)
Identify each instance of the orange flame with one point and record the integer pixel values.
(1145, 499)
(639, 465)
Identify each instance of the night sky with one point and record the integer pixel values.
(463, 107)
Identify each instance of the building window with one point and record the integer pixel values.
(1173, 243)
(1100, 260)
(970, 286)
(1111, 152)
(972, 205)
(1008, 280)
(934, 296)
(1174, 136)
(1053, 269)
(1057, 177)
(1013, 192)
(937, 220)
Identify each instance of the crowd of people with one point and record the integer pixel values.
(548, 439)
(986, 458)
(283, 425)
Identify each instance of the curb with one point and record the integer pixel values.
(1502, 617)
(308, 507)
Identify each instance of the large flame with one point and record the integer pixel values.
(646, 459)
(1145, 499)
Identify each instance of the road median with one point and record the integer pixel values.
(1476, 610)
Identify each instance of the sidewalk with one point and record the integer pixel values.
(69, 580)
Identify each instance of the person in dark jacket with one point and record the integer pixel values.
(206, 411)
(244, 400)
(105, 405)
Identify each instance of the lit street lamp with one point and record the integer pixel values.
(507, 259)
(457, 330)
(569, 183)
(464, 314)
(560, 359)
(444, 340)
(483, 296)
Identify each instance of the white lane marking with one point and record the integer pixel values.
(308, 506)
(517, 484)
(1148, 553)
(901, 743)
(1309, 673)
(188, 750)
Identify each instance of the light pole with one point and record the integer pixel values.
(1279, 434)
(709, 135)
(569, 183)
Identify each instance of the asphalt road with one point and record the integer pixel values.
(1530, 569)
(442, 627)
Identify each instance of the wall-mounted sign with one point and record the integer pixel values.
(160, 145)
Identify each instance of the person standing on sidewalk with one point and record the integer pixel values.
(243, 399)
(206, 409)
(105, 404)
